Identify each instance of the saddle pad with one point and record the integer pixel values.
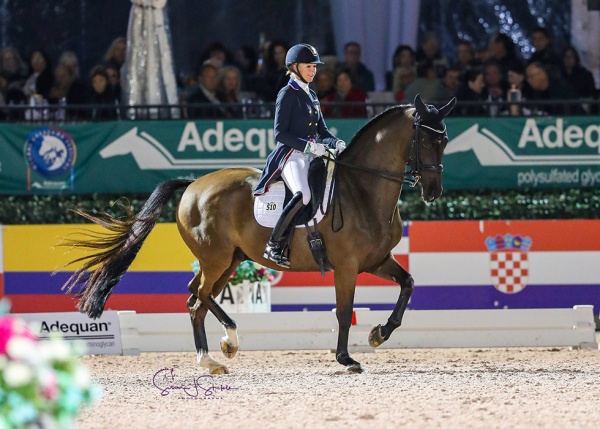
(268, 206)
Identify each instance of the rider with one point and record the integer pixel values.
(298, 123)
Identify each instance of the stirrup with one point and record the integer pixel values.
(274, 252)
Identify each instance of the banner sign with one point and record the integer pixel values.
(132, 157)
(455, 265)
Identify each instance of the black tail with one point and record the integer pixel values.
(116, 251)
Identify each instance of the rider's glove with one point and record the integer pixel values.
(340, 146)
(315, 148)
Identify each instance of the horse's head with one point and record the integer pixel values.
(430, 140)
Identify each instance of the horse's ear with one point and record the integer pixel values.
(422, 109)
(444, 111)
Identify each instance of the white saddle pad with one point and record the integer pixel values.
(268, 207)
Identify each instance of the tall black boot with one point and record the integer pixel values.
(281, 233)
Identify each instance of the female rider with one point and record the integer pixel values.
(298, 123)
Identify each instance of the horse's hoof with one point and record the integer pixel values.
(219, 370)
(375, 338)
(355, 368)
(228, 350)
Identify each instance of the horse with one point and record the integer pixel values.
(215, 220)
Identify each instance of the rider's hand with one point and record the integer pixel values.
(315, 148)
(340, 146)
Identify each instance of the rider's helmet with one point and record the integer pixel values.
(302, 53)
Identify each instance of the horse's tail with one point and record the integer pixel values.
(116, 251)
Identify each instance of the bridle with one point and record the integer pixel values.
(416, 167)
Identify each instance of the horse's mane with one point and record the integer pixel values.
(375, 119)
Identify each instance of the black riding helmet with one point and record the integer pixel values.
(301, 53)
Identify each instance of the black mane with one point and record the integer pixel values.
(375, 119)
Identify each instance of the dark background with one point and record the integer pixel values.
(89, 26)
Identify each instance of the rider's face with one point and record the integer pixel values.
(307, 71)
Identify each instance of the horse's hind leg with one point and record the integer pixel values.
(392, 270)
(198, 311)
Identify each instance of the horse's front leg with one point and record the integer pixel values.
(390, 269)
(345, 285)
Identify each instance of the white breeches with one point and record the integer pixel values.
(295, 174)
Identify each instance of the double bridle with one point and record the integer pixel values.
(416, 167)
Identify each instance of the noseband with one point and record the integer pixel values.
(414, 162)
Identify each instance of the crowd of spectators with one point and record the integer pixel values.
(240, 85)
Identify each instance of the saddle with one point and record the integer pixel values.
(268, 208)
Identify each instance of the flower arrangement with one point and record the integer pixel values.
(247, 270)
(42, 383)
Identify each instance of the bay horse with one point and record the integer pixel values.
(215, 219)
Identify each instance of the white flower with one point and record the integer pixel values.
(20, 348)
(17, 374)
(56, 350)
(82, 378)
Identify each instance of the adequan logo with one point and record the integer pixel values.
(490, 150)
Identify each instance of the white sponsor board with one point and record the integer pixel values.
(101, 336)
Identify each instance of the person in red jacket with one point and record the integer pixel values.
(347, 101)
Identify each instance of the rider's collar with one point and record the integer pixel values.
(295, 80)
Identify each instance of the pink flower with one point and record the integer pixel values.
(10, 327)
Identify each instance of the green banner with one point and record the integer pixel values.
(125, 157)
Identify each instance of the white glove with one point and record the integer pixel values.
(315, 148)
(340, 146)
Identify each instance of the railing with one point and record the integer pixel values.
(263, 110)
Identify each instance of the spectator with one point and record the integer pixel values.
(472, 92)
(216, 54)
(247, 61)
(114, 80)
(403, 77)
(516, 79)
(502, 49)
(544, 52)
(465, 57)
(229, 92)
(363, 77)
(40, 77)
(450, 83)
(324, 83)
(578, 76)
(429, 50)
(68, 89)
(274, 76)
(404, 56)
(202, 100)
(427, 84)
(547, 87)
(115, 55)
(13, 66)
(102, 98)
(69, 59)
(495, 84)
(345, 92)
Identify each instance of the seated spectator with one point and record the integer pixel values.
(114, 80)
(247, 61)
(229, 92)
(546, 87)
(324, 83)
(202, 100)
(363, 77)
(495, 85)
(216, 54)
(13, 66)
(274, 75)
(403, 77)
(465, 57)
(472, 92)
(578, 76)
(427, 85)
(544, 52)
(66, 89)
(116, 53)
(516, 79)
(40, 77)
(450, 83)
(102, 98)
(345, 92)
(430, 51)
(69, 59)
(502, 49)
(404, 56)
